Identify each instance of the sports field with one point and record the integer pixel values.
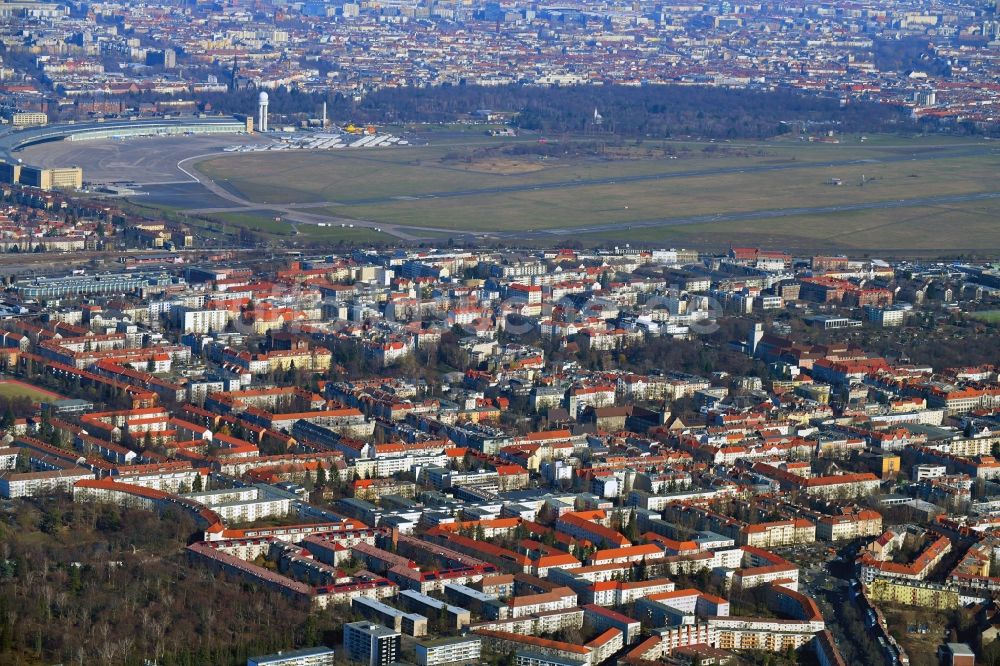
(11, 388)
(923, 193)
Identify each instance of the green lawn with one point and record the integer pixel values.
(256, 221)
(989, 316)
(15, 389)
(338, 233)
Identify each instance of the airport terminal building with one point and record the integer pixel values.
(59, 178)
(14, 172)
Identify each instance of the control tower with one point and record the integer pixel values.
(262, 112)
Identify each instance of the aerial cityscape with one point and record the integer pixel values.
(499, 333)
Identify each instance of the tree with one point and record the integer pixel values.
(321, 477)
(642, 571)
(196, 485)
(632, 527)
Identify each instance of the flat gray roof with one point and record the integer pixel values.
(291, 654)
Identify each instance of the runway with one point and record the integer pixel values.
(757, 215)
(664, 176)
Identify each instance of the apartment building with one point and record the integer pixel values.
(316, 656)
(865, 522)
(779, 533)
(371, 644)
(461, 649)
(33, 484)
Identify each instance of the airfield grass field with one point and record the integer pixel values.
(357, 177)
(267, 224)
(254, 221)
(705, 195)
(453, 186)
(963, 227)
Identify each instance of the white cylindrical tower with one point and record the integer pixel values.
(262, 112)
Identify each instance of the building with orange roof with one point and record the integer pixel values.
(605, 645)
(865, 522)
(627, 554)
(760, 567)
(560, 598)
(503, 642)
(841, 485)
(679, 607)
(503, 558)
(599, 618)
(778, 533)
(618, 593)
(109, 490)
(581, 525)
(544, 564)
(875, 563)
(580, 578)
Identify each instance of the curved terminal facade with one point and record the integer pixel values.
(13, 171)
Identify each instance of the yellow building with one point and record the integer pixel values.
(28, 119)
(885, 465)
(314, 359)
(65, 178)
(907, 593)
(818, 392)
